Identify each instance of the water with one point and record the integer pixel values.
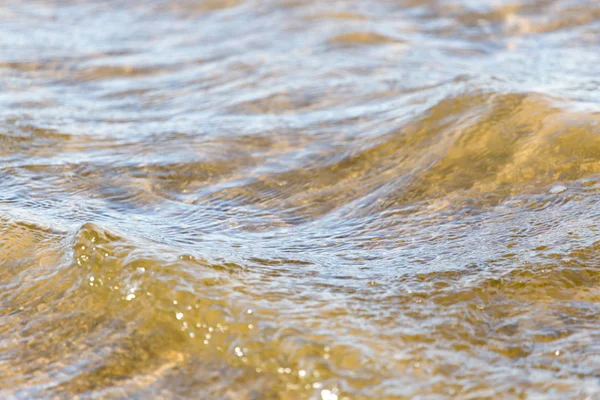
(300, 199)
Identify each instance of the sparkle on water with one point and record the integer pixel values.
(281, 199)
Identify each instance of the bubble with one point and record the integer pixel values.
(327, 394)
(556, 189)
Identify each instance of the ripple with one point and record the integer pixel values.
(283, 199)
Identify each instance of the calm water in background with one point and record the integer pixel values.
(300, 199)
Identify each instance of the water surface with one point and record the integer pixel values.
(279, 199)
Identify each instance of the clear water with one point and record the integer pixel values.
(300, 199)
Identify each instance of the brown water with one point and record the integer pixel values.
(282, 199)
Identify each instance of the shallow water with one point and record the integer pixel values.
(278, 199)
